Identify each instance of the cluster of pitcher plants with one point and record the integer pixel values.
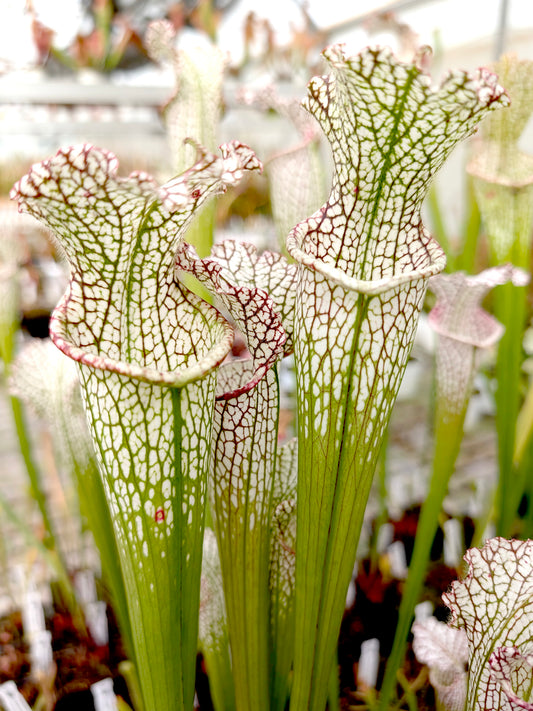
(214, 533)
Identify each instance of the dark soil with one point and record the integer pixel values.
(80, 662)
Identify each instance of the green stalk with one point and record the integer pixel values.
(34, 476)
(527, 531)
(463, 328)
(524, 427)
(147, 350)
(410, 696)
(160, 542)
(246, 470)
(329, 538)
(438, 228)
(507, 212)
(49, 540)
(336, 467)
(466, 258)
(448, 437)
(129, 672)
(382, 516)
(510, 309)
(94, 508)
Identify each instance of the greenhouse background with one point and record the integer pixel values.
(58, 89)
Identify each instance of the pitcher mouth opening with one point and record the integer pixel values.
(180, 377)
(372, 287)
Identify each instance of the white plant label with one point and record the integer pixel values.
(85, 586)
(32, 614)
(104, 695)
(367, 672)
(397, 560)
(11, 698)
(95, 614)
(453, 543)
(41, 653)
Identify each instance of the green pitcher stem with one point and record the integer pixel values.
(438, 226)
(510, 309)
(448, 437)
(49, 540)
(466, 259)
(34, 476)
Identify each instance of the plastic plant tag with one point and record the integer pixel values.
(85, 586)
(423, 611)
(384, 537)
(494, 607)
(367, 671)
(11, 698)
(453, 542)
(32, 614)
(41, 654)
(96, 616)
(104, 695)
(397, 560)
(351, 595)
